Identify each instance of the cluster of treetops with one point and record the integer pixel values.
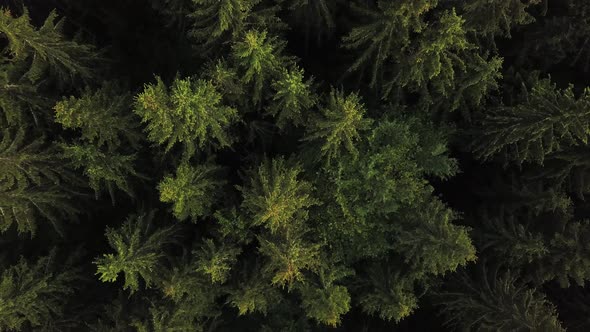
(294, 165)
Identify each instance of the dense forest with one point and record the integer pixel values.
(294, 165)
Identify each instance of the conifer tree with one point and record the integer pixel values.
(567, 255)
(325, 300)
(107, 129)
(31, 184)
(292, 97)
(491, 19)
(102, 116)
(275, 196)
(259, 57)
(33, 293)
(388, 294)
(192, 191)
(138, 251)
(339, 128)
(216, 261)
(548, 120)
(108, 170)
(189, 112)
(45, 46)
(212, 19)
(498, 302)
(430, 243)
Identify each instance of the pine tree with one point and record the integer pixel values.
(548, 120)
(192, 191)
(274, 196)
(213, 19)
(513, 241)
(430, 243)
(389, 173)
(138, 251)
(45, 46)
(388, 294)
(325, 300)
(189, 112)
(20, 99)
(31, 184)
(108, 170)
(216, 261)
(340, 126)
(498, 18)
(101, 115)
(497, 302)
(253, 295)
(32, 294)
(289, 254)
(567, 257)
(292, 97)
(259, 57)
(388, 29)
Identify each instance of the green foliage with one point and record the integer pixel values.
(388, 294)
(45, 46)
(138, 251)
(20, 99)
(192, 191)
(548, 120)
(259, 57)
(216, 261)
(102, 116)
(275, 196)
(213, 19)
(189, 112)
(292, 96)
(326, 301)
(347, 216)
(498, 302)
(289, 255)
(30, 184)
(253, 295)
(430, 243)
(513, 241)
(166, 319)
(388, 29)
(390, 172)
(340, 127)
(497, 18)
(104, 170)
(34, 293)
(568, 255)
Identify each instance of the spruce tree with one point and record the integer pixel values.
(192, 191)
(189, 112)
(34, 293)
(138, 251)
(32, 184)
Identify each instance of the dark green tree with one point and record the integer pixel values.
(34, 293)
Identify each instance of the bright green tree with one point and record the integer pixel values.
(275, 195)
(259, 58)
(189, 112)
(293, 96)
(192, 190)
(138, 251)
(340, 126)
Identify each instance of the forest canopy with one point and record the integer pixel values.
(294, 165)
